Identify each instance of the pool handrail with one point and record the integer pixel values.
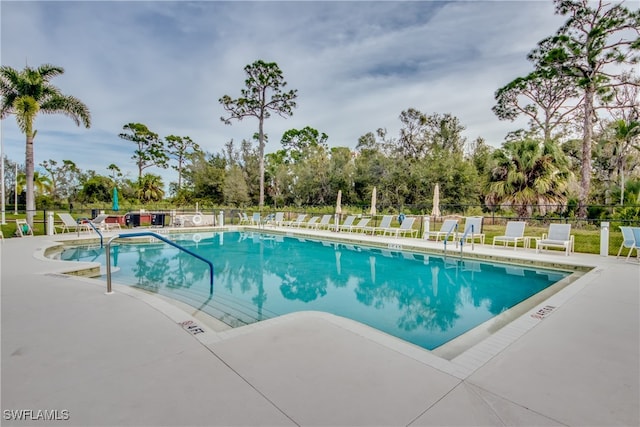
(453, 230)
(88, 221)
(159, 237)
(464, 236)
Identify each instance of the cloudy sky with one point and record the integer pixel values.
(356, 66)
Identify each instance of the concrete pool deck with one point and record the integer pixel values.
(129, 358)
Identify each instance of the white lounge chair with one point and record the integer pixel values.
(255, 218)
(244, 219)
(514, 233)
(636, 244)
(447, 229)
(275, 219)
(385, 223)
(70, 224)
(324, 222)
(279, 218)
(311, 223)
(405, 228)
(100, 222)
(472, 229)
(630, 240)
(559, 236)
(268, 219)
(23, 228)
(360, 226)
(299, 220)
(348, 222)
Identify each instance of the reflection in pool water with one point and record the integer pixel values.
(424, 299)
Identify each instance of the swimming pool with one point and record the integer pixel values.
(425, 299)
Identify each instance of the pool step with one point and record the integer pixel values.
(222, 306)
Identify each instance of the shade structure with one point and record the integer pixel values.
(435, 212)
(373, 201)
(115, 206)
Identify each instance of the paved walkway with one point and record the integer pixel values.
(129, 359)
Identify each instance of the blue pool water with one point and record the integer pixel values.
(423, 299)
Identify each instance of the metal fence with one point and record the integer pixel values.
(616, 215)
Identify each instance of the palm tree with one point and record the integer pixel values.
(41, 183)
(527, 174)
(150, 188)
(625, 135)
(28, 92)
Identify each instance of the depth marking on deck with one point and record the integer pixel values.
(544, 311)
(192, 327)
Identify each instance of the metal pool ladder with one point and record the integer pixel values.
(159, 237)
(88, 221)
(453, 230)
(464, 237)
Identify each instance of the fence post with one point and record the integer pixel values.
(44, 220)
(604, 239)
(50, 229)
(427, 227)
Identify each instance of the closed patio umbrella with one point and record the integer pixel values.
(373, 201)
(435, 212)
(115, 206)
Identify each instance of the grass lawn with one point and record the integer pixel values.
(9, 229)
(586, 240)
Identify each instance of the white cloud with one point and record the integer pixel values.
(356, 66)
